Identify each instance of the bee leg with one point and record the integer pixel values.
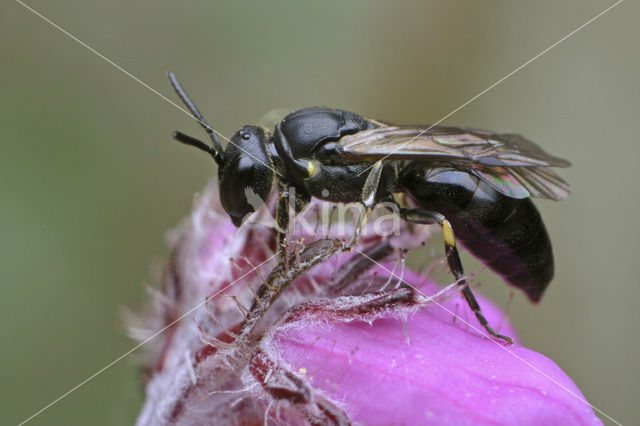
(312, 254)
(368, 201)
(425, 217)
(282, 222)
(286, 199)
(273, 286)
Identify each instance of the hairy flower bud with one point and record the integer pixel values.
(355, 338)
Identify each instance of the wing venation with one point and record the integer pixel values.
(510, 163)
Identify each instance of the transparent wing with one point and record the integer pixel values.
(510, 163)
(523, 182)
(273, 117)
(454, 143)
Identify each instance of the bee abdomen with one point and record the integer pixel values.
(504, 233)
(519, 248)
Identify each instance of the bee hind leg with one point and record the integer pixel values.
(425, 217)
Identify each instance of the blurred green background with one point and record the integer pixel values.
(90, 179)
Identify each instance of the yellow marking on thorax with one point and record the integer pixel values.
(311, 169)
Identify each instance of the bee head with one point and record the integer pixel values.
(245, 175)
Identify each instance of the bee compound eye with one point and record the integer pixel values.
(245, 184)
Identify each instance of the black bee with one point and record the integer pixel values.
(475, 182)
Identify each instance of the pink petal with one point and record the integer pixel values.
(436, 366)
(433, 372)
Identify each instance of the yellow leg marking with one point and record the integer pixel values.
(401, 199)
(447, 233)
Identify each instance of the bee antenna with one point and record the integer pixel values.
(189, 140)
(216, 149)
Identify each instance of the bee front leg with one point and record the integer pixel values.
(287, 198)
(426, 217)
(312, 254)
(282, 222)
